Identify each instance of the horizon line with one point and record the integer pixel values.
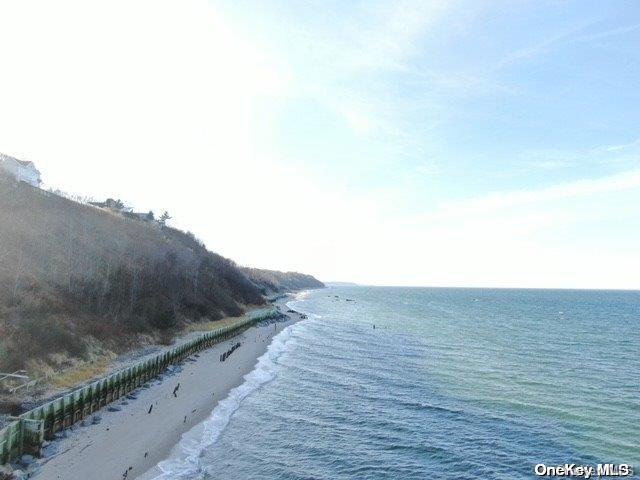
(599, 289)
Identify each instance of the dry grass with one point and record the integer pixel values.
(98, 367)
(224, 322)
(212, 325)
(81, 373)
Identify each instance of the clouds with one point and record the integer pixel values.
(576, 234)
(388, 37)
(623, 146)
(629, 180)
(586, 32)
(335, 53)
(379, 141)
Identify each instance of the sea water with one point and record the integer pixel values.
(404, 383)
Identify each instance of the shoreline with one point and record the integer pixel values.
(139, 433)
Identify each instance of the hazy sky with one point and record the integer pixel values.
(452, 143)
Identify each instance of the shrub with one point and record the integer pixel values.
(161, 314)
(38, 338)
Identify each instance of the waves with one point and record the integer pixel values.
(297, 303)
(186, 463)
(472, 389)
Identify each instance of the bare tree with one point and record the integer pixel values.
(164, 218)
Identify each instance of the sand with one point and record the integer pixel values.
(135, 440)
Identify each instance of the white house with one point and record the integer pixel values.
(22, 171)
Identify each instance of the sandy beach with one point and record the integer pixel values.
(131, 441)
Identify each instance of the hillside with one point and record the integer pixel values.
(76, 280)
(273, 281)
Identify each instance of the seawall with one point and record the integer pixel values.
(26, 433)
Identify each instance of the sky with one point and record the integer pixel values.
(427, 143)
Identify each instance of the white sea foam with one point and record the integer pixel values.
(302, 294)
(299, 298)
(185, 464)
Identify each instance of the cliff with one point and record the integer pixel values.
(273, 281)
(76, 280)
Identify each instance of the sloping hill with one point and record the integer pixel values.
(76, 279)
(273, 281)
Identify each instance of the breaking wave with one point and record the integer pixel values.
(186, 463)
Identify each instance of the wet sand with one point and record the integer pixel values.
(145, 430)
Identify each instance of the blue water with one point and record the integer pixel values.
(451, 383)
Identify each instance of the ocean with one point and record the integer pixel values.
(431, 383)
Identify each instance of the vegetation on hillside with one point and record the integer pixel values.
(76, 279)
(273, 281)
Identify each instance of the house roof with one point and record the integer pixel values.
(24, 163)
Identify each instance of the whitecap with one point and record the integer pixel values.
(186, 463)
